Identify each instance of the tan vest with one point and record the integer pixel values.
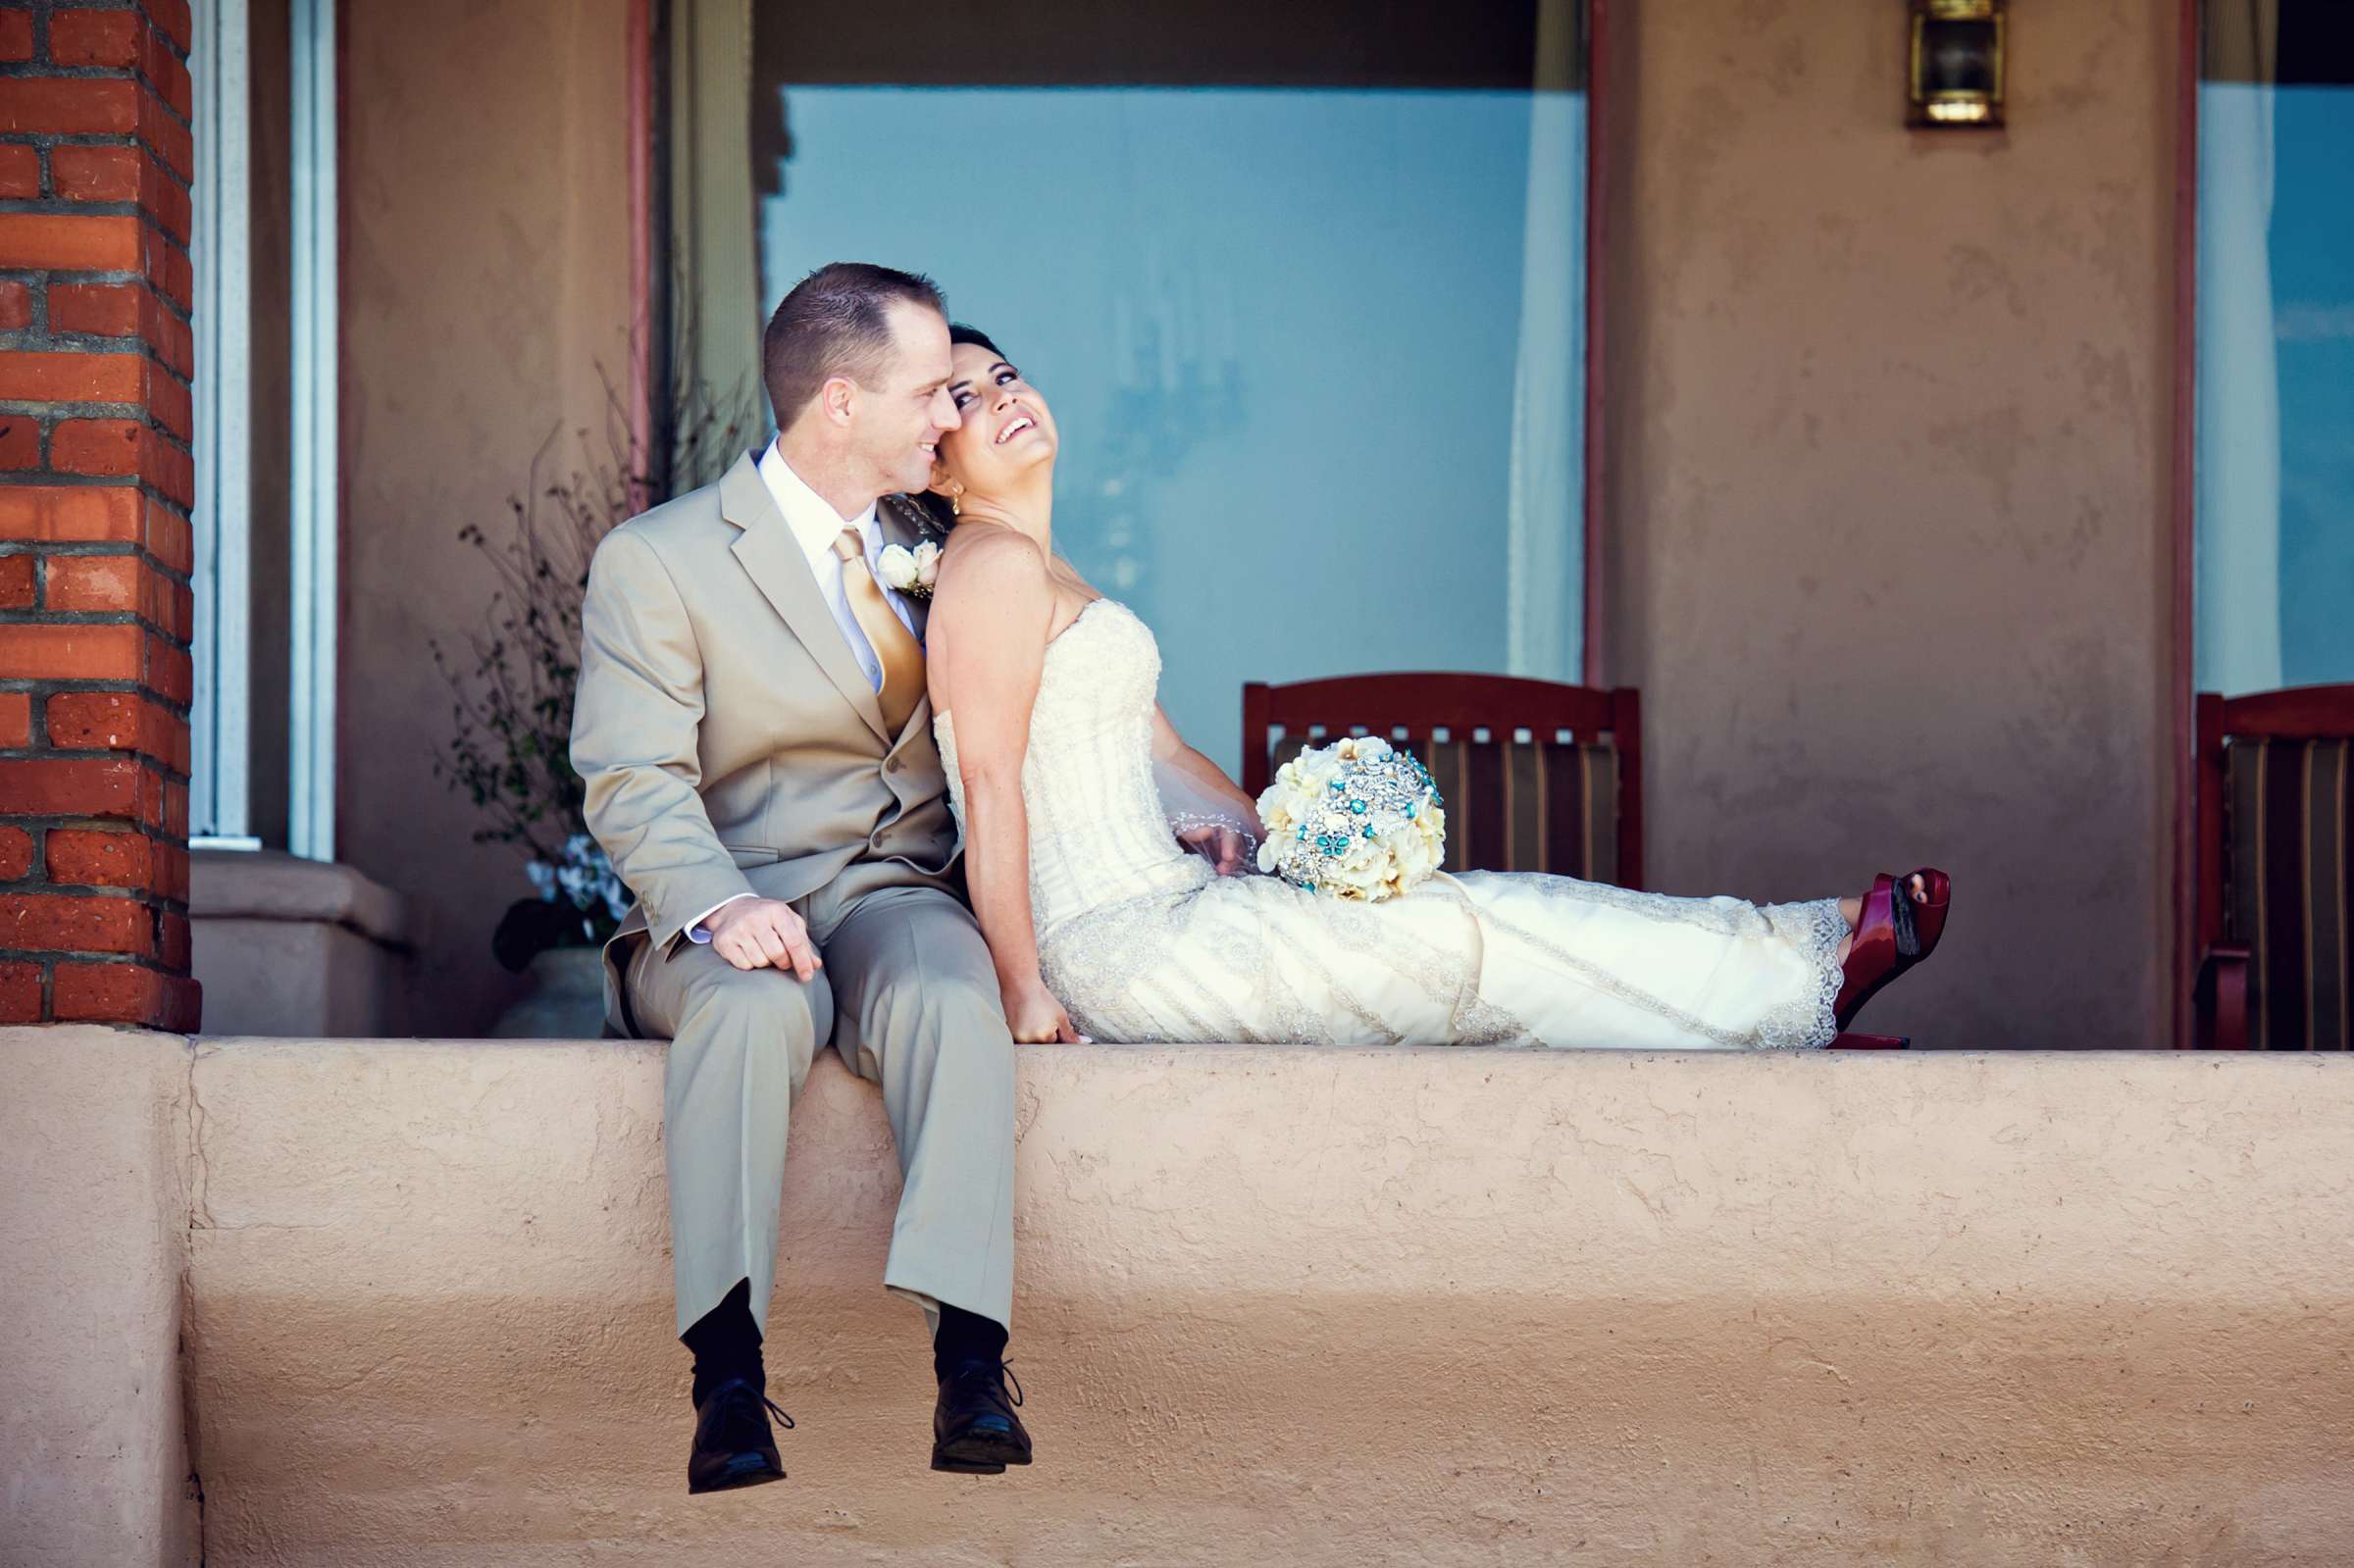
(727, 738)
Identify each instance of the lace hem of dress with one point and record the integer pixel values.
(1808, 1021)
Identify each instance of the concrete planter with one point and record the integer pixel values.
(567, 999)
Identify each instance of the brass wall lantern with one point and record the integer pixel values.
(1956, 76)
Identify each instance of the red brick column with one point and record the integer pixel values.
(96, 481)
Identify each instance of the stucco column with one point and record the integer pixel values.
(96, 481)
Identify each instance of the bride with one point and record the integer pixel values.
(1102, 924)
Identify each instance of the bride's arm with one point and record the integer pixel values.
(1200, 798)
(997, 609)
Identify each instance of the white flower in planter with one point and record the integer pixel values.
(583, 880)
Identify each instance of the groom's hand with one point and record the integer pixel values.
(764, 934)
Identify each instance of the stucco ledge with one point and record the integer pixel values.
(1312, 1306)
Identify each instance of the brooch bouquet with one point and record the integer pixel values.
(1355, 819)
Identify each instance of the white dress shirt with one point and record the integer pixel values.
(815, 526)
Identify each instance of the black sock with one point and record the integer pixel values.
(965, 1336)
(726, 1342)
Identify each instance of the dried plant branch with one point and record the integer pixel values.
(514, 678)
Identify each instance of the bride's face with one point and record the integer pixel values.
(1007, 428)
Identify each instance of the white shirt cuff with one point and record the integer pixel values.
(694, 928)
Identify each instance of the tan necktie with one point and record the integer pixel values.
(895, 648)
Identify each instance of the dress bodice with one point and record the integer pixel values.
(1097, 828)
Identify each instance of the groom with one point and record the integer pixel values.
(752, 729)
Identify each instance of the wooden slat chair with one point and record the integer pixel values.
(1535, 776)
(2275, 898)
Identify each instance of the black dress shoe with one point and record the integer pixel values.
(974, 1430)
(732, 1447)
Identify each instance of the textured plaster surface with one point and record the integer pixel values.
(297, 978)
(93, 1232)
(1291, 1306)
(1886, 536)
(486, 285)
(271, 885)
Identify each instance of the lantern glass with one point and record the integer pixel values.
(1957, 63)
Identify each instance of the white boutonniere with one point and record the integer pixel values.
(909, 572)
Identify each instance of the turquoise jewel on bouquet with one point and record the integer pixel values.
(1361, 812)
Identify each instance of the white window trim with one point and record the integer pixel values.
(311, 730)
(221, 715)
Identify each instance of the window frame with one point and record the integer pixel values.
(221, 740)
(681, 211)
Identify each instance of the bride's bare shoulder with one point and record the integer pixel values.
(992, 575)
(1000, 555)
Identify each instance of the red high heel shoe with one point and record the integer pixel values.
(1893, 935)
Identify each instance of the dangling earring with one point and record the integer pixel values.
(954, 507)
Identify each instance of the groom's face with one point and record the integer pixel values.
(896, 423)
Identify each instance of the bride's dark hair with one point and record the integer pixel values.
(936, 518)
(960, 334)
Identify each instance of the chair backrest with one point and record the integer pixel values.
(2276, 857)
(1534, 776)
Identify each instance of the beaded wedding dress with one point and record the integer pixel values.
(1143, 943)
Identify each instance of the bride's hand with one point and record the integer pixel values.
(1227, 851)
(1036, 1018)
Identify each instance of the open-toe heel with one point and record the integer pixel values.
(1893, 934)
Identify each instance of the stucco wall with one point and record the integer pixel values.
(93, 1239)
(1303, 1307)
(486, 279)
(1887, 514)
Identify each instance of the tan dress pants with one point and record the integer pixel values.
(908, 998)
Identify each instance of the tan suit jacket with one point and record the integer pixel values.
(727, 738)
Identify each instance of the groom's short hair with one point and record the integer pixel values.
(836, 321)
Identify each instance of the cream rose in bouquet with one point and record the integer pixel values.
(910, 572)
(1355, 819)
